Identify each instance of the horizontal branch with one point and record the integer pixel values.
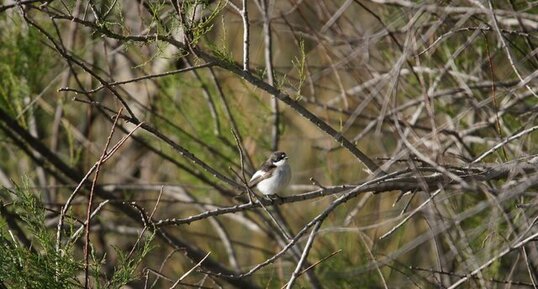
(406, 180)
(151, 76)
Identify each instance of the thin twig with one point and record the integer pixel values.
(306, 250)
(505, 46)
(136, 79)
(82, 227)
(246, 31)
(190, 271)
(507, 250)
(402, 222)
(502, 143)
(268, 53)
(90, 203)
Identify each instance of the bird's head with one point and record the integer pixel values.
(279, 158)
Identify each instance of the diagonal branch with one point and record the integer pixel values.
(248, 76)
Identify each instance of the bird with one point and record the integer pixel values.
(273, 176)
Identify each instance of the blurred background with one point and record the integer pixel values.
(442, 85)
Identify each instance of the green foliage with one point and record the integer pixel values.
(300, 64)
(23, 63)
(218, 47)
(202, 27)
(222, 53)
(126, 270)
(41, 265)
(37, 266)
(337, 273)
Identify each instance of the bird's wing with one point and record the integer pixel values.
(262, 174)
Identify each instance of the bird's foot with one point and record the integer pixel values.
(274, 197)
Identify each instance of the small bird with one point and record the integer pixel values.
(273, 176)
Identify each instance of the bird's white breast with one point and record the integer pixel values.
(277, 182)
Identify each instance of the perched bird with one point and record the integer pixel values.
(273, 176)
